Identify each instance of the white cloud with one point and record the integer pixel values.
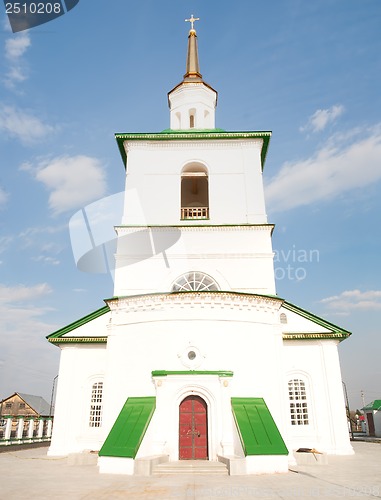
(23, 125)
(3, 197)
(350, 300)
(322, 117)
(23, 293)
(15, 74)
(336, 169)
(5, 241)
(46, 260)
(72, 181)
(24, 351)
(15, 48)
(32, 235)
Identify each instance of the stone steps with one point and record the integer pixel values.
(199, 467)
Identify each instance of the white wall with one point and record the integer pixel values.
(237, 258)
(234, 172)
(80, 367)
(229, 333)
(316, 362)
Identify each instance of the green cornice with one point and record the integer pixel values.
(337, 332)
(56, 337)
(193, 135)
(165, 373)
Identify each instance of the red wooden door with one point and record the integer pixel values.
(193, 429)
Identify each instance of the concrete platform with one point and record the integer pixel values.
(30, 474)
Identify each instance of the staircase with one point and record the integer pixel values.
(195, 467)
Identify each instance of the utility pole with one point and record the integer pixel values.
(52, 398)
(348, 409)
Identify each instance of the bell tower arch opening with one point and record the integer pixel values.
(194, 192)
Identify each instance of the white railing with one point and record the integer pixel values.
(19, 430)
(195, 213)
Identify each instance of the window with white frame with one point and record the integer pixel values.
(298, 402)
(96, 405)
(194, 282)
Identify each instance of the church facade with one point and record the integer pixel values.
(195, 357)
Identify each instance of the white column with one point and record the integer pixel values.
(31, 428)
(8, 427)
(50, 426)
(160, 435)
(20, 427)
(227, 443)
(40, 427)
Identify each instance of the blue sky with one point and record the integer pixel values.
(308, 71)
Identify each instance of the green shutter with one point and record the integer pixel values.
(256, 427)
(129, 428)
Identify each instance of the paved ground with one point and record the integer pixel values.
(30, 474)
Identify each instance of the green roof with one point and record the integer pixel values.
(337, 332)
(193, 135)
(256, 427)
(129, 428)
(57, 336)
(60, 336)
(374, 405)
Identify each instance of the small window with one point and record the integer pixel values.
(96, 405)
(298, 402)
(8, 405)
(191, 121)
(22, 406)
(283, 319)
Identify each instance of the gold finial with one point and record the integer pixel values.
(192, 21)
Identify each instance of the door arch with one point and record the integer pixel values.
(193, 429)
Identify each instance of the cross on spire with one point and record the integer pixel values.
(192, 21)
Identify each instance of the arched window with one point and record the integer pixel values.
(297, 395)
(95, 419)
(283, 319)
(194, 192)
(194, 282)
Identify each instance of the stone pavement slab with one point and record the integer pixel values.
(30, 474)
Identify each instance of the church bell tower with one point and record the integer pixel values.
(194, 200)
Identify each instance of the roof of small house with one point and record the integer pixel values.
(374, 405)
(37, 403)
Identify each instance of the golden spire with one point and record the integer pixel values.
(192, 68)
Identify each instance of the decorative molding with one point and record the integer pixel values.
(315, 336)
(170, 137)
(197, 227)
(191, 300)
(193, 144)
(78, 340)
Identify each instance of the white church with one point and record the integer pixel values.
(195, 358)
